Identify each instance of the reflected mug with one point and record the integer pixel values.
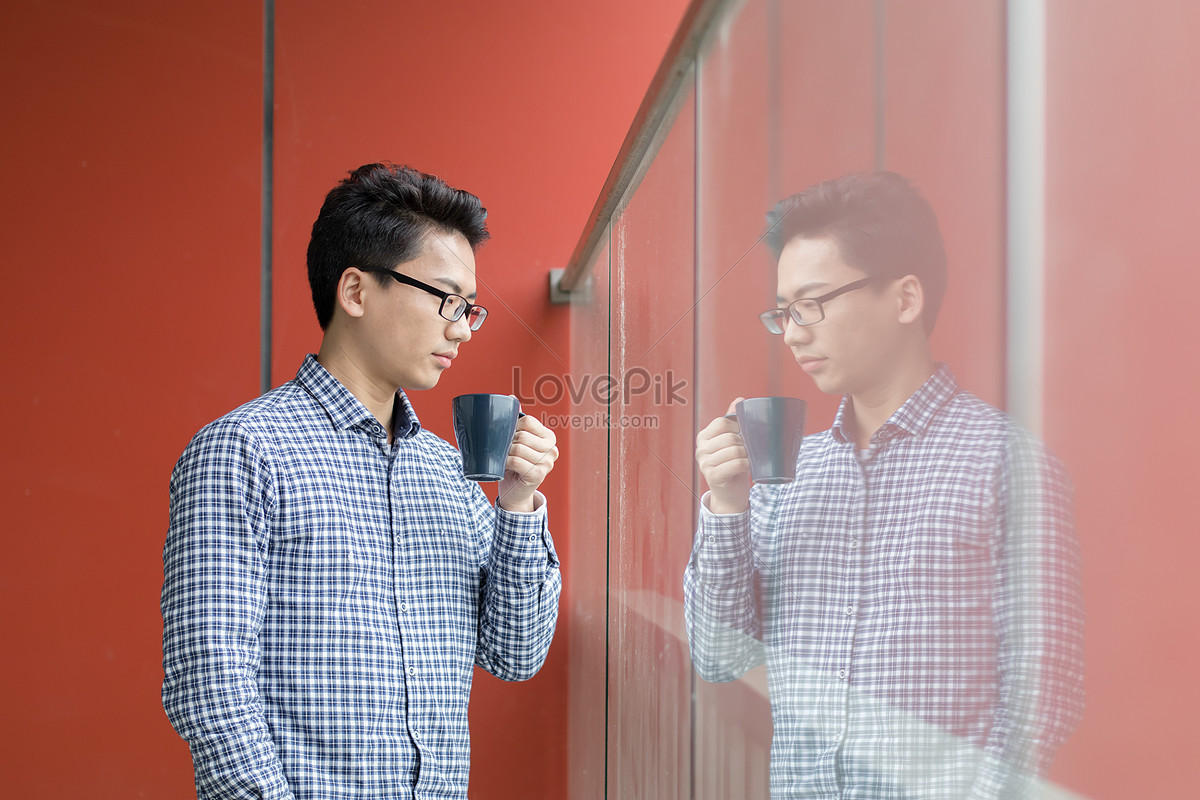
(484, 425)
(772, 429)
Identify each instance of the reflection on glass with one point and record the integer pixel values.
(914, 593)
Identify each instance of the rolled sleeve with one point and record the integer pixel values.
(519, 601)
(720, 609)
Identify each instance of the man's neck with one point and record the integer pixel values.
(341, 364)
(868, 410)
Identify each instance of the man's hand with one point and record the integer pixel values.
(722, 459)
(530, 459)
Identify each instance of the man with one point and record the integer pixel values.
(331, 579)
(914, 593)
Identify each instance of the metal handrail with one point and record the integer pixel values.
(643, 140)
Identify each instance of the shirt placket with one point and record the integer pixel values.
(416, 712)
(846, 613)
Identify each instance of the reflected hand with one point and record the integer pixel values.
(724, 464)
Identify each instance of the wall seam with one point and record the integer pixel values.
(266, 277)
(1025, 272)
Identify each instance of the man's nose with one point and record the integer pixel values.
(460, 329)
(795, 334)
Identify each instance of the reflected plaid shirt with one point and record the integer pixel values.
(327, 596)
(917, 606)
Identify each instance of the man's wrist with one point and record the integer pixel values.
(521, 505)
(722, 506)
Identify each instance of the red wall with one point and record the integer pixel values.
(1123, 124)
(131, 212)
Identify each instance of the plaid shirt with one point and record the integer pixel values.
(917, 606)
(327, 596)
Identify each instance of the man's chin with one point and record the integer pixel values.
(420, 384)
(827, 384)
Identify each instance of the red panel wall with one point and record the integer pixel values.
(130, 214)
(1123, 171)
(944, 95)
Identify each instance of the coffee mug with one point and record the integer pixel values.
(772, 430)
(484, 425)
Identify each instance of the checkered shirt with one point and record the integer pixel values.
(917, 606)
(327, 595)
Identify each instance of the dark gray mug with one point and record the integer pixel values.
(772, 430)
(484, 425)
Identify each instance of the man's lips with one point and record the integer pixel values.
(809, 363)
(444, 358)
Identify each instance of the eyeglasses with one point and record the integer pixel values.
(453, 305)
(806, 311)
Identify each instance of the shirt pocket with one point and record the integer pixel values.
(316, 557)
(948, 566)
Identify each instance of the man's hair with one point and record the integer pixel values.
(881, 224)
(377, 218)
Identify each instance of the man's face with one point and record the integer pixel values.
(408, 343)
(850, 350)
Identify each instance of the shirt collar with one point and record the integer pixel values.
(914, 416)
(347, 411)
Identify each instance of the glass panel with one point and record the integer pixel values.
(734, 351)
(787, 94)
(651, 502)
(792, 92)
(586, 581)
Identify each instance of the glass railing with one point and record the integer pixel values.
(758, 100)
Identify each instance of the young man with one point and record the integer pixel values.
(914, 593)
(331, 579)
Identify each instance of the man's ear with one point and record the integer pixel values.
(350, 292)
(911, 297)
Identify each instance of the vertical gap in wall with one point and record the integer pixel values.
(268, 177)
(697, 210)
(1003, 24)
(608, 466)
(774, 162)
(1025, 209)
(880, 85)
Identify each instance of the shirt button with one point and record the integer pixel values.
(533, 537)
(842, 674)
(404, 606)
(417, 735)
(854, 542)
(413, 671)
(850, 610)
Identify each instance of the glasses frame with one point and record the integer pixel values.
(770, 318)
(465, 309)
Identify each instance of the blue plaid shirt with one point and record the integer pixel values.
(917, 606)
(327, 595)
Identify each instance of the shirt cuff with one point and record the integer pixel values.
(704, 509)
(524, 535)
(721, 540)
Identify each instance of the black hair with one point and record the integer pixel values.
(378, 217)
(881, 224)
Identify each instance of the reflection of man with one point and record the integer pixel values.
(331, 579)
(914, 593)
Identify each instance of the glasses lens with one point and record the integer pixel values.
(476, 317)
(773, 320)
(453, 307)
(806, 312)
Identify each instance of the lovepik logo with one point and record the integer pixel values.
(546, 389)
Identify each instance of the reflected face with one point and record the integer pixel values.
(409, 344)
(850, 350)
